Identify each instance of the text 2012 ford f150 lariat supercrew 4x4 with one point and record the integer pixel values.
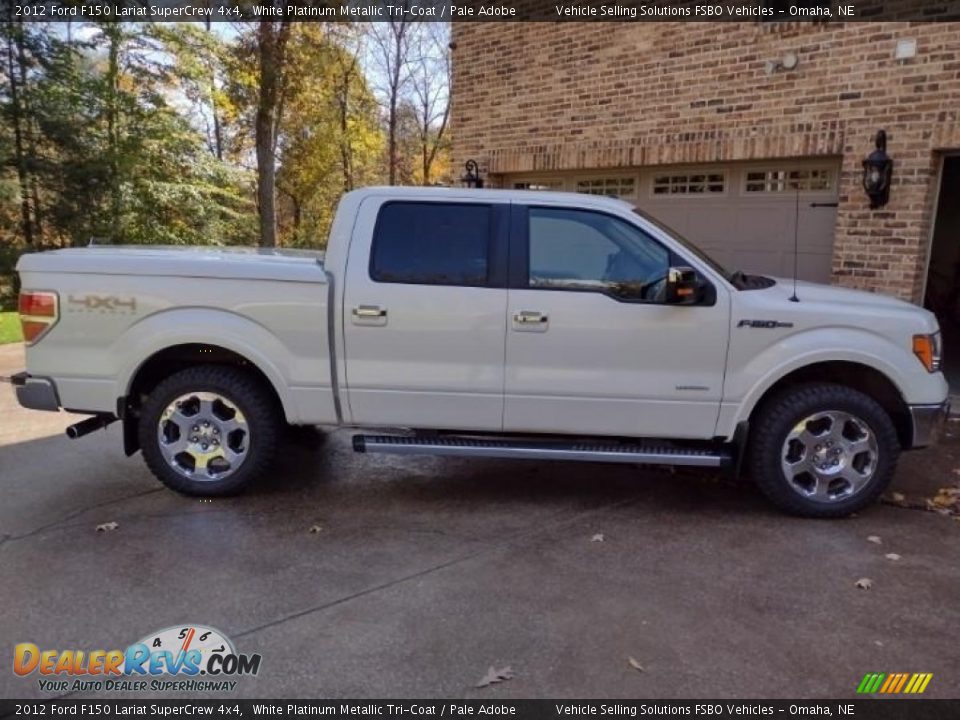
(484, 323)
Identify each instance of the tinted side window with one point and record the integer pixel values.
(431, 244)
(583, 250)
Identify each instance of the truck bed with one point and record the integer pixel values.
(182, 261)
(121, 306)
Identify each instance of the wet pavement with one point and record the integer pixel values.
(425, 572)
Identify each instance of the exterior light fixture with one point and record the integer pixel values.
(471, 177)
(790, 61)
(877, 170)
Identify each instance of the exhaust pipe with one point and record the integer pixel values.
(85, 427)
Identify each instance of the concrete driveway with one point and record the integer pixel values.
(428, 571)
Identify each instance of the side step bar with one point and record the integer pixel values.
(583, 451)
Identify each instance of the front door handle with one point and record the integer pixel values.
(369, 315)
(530, 321)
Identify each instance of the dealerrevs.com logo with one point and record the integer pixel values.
(185, 658)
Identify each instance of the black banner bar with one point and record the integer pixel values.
(764, 11)
(860, 709)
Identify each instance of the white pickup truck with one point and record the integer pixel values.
(484, 323)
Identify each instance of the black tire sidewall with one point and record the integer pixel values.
(777, 417)
(241, 389)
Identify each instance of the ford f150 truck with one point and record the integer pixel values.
(484, 323)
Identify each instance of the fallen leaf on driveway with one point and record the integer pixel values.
(107, 527)
(898, 497)
(314, 529)
(634, 664)
(878, 643)
(495, 676)
(597, 538)
(892, 556)
(947, 499)
(874, 539)
(864, 583)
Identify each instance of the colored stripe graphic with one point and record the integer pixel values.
(870, 683)
(894, 683)
(890, 686)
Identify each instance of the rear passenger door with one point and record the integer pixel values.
(425, 314)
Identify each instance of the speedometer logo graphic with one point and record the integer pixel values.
(181, 639)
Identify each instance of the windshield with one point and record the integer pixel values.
(701, 255)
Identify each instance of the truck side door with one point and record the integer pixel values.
(592, 347)
(425, 314)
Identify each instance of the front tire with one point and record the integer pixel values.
(822, 450)
(209, 430)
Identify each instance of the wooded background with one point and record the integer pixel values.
(222, 133)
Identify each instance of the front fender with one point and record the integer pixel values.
(748, 380)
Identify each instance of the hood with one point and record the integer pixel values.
(819, 293)
(832, 306)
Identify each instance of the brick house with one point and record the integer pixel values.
(731, 131)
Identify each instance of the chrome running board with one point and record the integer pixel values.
(582, 451)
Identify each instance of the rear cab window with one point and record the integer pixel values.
(435, 243)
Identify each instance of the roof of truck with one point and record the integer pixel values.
(492, 195)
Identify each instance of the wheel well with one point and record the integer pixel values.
(864, 378)
(165, 363)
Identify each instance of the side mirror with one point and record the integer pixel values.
(683, 286)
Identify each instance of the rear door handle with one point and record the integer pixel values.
(369, 315)
(530, 321)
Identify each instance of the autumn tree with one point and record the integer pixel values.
(329, 136)
(391, 47)
(197, 133)
(198, 62)
(430, 98)
(272, 37)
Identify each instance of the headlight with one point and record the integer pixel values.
(929, 350)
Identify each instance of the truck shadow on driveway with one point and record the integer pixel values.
(318, 462)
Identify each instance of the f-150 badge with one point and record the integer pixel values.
(766, 324)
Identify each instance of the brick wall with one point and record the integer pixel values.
(559, 96)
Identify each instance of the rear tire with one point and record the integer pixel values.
(209, 430)
(822, 450)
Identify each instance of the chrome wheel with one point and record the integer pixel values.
(203, 436)
(829, 456)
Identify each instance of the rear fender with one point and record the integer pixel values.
(223, 329)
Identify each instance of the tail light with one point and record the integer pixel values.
(39, 311)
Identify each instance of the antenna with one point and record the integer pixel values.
(796, 241)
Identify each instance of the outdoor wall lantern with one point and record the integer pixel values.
(877, 170)
(471, 177)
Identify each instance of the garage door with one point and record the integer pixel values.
(744, 215)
